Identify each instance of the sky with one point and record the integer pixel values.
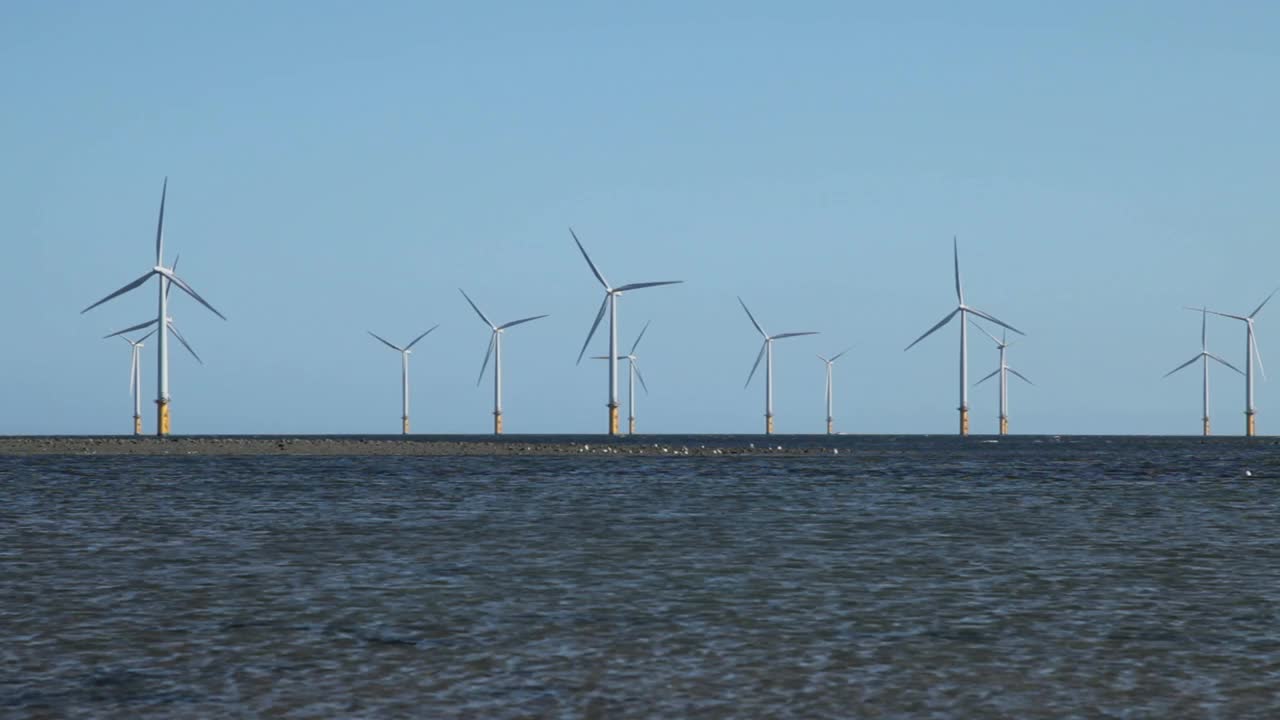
(337, 167)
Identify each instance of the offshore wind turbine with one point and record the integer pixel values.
(404, 374)
(963, 311)
(829, 362)
(495, 349)
(1003, 371)
(166, 276)
(610, 303)
(1205, 356)
(135, 379)
(1250, 352)
(766, 352)
(633, 372)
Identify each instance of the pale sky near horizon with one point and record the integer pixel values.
(339, 167)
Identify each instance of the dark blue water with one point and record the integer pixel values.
(904, 577)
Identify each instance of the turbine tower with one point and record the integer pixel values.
(766, 352)
(611, 304)
(495, 348)
(166, 276)
(1003, 371)
(633, 372)
(1205, 356)
(829, 362)
(1250, 352)
(135, 379)
(404, 374)
(963, 311)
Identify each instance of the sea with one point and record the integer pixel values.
(877, 577)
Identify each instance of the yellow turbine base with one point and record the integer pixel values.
(1004, 426)
(137, 424)
(964, 422)
(1206, 428)
(768, 424)
(831, 426)
(631, 426)
(1250, 429)
(497, 423)
(162, 417)
(613, 419)
(404, 425)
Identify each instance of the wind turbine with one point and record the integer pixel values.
(633, 372)
(166, 275)
(830, 390)
(495, 348)
(1206, 356)
(1250, 352)
(172, 327)
(963, 311)
(135, 379)
(1003, 371)
(404, 374)
(611, 304)
(766, 352)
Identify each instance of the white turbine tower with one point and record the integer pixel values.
(1205, 356)
(766, 352)
(611, 304)
(963, 311)
(404, 374)
(495, 349)
(633, 372)
(1250, 352)
(1003, 372)
(166, 276)
(135, 379)
(830, 394)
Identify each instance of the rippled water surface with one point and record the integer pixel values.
(906, 577)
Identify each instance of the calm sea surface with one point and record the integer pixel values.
(904, 577)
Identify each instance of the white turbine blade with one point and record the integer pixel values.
(121, 291)
(759, 357)
(636, 344)
(639, 376)
(415, 340)
(594, 269)
(600, 357)
(594, 325)
(188, 290)
(1204, 325)
(1224, 362)
(513, 323)
(759, 329)
(1192, 360)
(1264, 302)
(1258, 355)
(384, 341)
(992, 318)
(492, 340)
(842, 352)
(791, 334)
(473, 307)
(164, 190)
(988, 377)
(637, 286)
(1220, 314)
(984, 332)
(184, 342)
(823, 359)
(131, 328)
(955, 248)
(174, 268)
(1020, 375)
(933, 329)
(144, 337)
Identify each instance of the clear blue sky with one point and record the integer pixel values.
(336, 168)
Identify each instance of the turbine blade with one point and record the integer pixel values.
(823, 359)
(933, 329)
(594, 269)
(1224, 362)
(384, 341)
(415, 340)
(164, 190)
(185, 344)
(988, 377)
(169, 286)
(1020, 375)
(144, 337)
(791, 334)
(513, 323)
(639, 376)
(594, 325)
(1258, 354)
(637, 286)
(984, 332)
(189, 290)
(473, 307)
(759, 357)
(1192, 360)
(1220, 314)
(1264, 302)
(1204, 324)
(955, 248)
(759, 329)
(992, 318)
(131, 328)
(121, 291)
(492, 340)
(636, 344)
(842, 352)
